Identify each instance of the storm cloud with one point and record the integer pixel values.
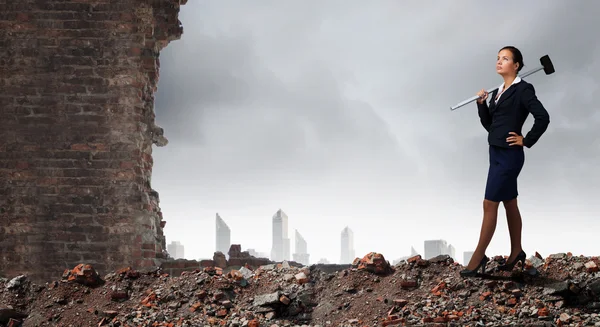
(338, 113)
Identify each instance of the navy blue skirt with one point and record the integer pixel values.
(505, 166)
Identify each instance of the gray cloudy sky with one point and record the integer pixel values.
(338, 113)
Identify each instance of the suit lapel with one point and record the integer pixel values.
(506, 94)
(492, 105)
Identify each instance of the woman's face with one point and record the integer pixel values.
(505, 64)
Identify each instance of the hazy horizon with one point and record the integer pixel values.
(338, 113)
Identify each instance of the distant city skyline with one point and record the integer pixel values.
(433, 248)
(280, 220)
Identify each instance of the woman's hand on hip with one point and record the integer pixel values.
(515, 139)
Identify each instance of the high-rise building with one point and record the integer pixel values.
(222, 235)
(323, 261)
(451, 251)
(413, 252)
(176, 250)
(280, 249)
(347, 246)
(301, 254)
(433, 248)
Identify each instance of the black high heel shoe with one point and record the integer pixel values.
(470, 273)
(510, 265)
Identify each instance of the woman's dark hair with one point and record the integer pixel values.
(517, 56)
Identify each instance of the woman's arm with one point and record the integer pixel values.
(540, 115)
(484, 115)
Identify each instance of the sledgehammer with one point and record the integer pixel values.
(546, 65)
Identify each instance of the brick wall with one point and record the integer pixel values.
(176, 267)
(77, 80)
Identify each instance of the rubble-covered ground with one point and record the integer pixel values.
(560, 290)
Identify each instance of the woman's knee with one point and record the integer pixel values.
(510, 204)
(489, 205)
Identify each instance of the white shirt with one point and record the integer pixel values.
(517, 80)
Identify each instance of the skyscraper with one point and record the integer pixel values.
(413, 252)
(301, 254)
(451, 251)
(347, 246)
(433, 248)
(176, 250)
(222, 235)
(280, 249)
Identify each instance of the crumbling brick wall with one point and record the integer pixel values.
(77, 83)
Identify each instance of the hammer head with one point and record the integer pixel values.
(547, 64)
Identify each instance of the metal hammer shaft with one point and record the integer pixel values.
(473, 98)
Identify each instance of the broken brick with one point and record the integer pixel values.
(284, 299)
(485, 295)
(414, 259)
(591, 266)
(422, 263)
(374, 263)
(440, 319)
(83, 274)
(408, 284)
(195, 306)
(219, 295)
(436, 290)
(301, 278)
(393, 322)
(119, 295)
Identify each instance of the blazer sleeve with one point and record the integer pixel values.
(484, 115)
(541, 117)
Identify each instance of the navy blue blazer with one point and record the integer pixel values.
(510, 113)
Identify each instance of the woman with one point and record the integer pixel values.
(510, 105)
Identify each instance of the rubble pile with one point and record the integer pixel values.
(560, 290)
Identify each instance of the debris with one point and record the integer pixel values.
(83, 274)
(8, 314)
(417, 292)
(591, 266)
(16, 282)
(374, 263)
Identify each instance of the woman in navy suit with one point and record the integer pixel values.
(503, 118)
